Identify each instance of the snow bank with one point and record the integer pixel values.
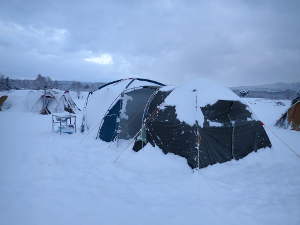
(22, 100)
(48, 179)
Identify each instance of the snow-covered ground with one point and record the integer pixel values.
(50, 179)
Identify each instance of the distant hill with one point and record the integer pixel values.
(271, 91)
(280, 86)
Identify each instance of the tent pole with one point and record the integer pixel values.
(232, 142)
(197, 130)
(232, 134)
(198, 145)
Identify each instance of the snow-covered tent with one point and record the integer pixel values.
(291, 118)
(203, 122)
(66, 104)
(46, 103)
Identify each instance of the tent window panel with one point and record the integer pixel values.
(225, 112)
(133, 110)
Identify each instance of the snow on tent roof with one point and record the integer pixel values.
(207, 92)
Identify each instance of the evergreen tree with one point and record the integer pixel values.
(4, 83)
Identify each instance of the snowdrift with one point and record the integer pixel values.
(71, 179)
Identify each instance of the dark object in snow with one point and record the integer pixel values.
(243, 93)
(280, 103)
(138, 145)
(291, 118)
(2, 100)
(228, 130)
(64, 124)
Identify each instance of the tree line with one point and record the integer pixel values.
(45, 82)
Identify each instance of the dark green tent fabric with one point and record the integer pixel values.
(108, 130)
(207, 145)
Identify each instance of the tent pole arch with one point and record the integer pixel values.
(127, 86)
(132, 80)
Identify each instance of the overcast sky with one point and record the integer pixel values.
(172, 41)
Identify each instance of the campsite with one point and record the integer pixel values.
(68, 179)
(161, 112)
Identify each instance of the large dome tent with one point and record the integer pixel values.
(201, 121)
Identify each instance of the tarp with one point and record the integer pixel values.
(2, 100)
(291, 118)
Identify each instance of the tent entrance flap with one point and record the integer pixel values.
(108, 130)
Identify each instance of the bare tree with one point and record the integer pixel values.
(42, 82)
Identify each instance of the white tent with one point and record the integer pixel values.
(66, 104)
(45, 104)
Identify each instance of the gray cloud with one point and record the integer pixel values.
(234, 42)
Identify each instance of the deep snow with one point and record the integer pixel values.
(50, 179)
